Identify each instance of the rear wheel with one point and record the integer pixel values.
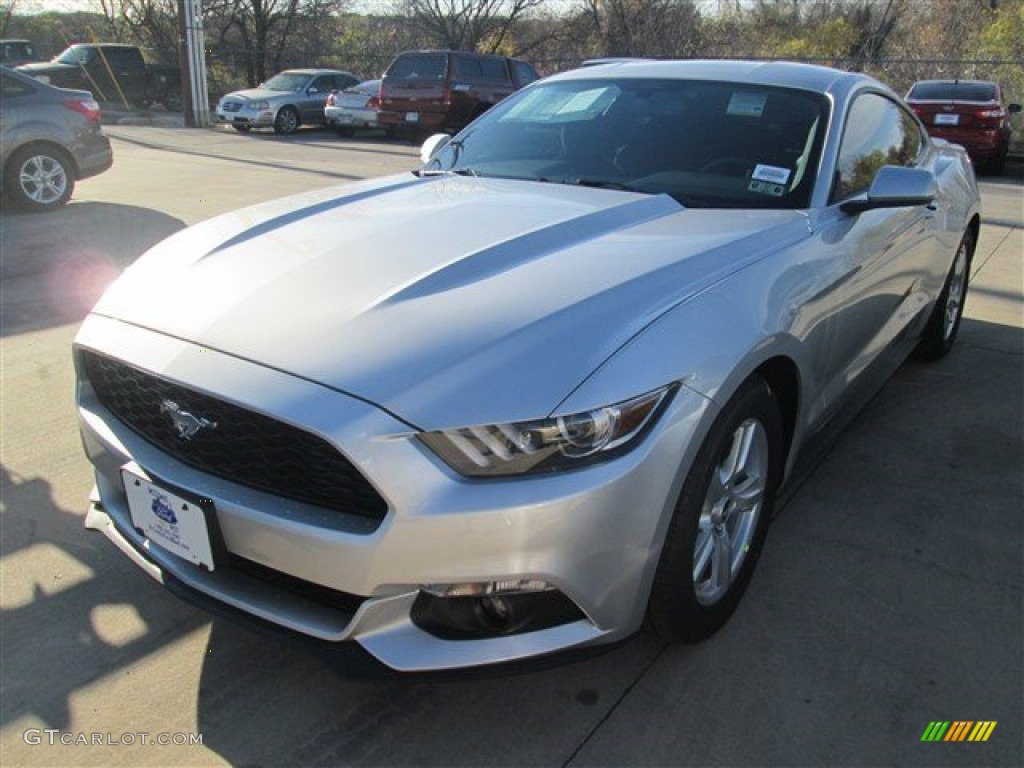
(944, 323)
(287, 121)
(721, 519)
(39, 178)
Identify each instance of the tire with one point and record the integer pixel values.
(39, 178)
(287, 121)
(944, 323)
(241, 128)
(721, 518)
(172, 99)
(390, 132)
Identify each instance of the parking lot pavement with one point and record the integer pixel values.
(889, 594)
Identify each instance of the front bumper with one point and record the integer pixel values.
(593, 534)
(246, 116)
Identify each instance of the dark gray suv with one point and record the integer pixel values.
(49, 139)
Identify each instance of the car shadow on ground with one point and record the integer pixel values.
(55, 265)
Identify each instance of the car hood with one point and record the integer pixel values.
(449, 301)
(258, 94)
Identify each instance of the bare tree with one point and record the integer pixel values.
(467, 25)
(644, 27)
(7, 9)
(264, 31)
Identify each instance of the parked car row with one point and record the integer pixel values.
(421, 92)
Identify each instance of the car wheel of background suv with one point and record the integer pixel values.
(39, 177)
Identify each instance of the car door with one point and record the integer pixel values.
(315, 97)
(883, 253)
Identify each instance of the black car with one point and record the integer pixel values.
(49, 139)
(16, 52)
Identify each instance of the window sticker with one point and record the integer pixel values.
(766, 188)
(582, 101)
(771, 173)
(746, 104)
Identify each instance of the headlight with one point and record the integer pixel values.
(548, 445)
(259, 104)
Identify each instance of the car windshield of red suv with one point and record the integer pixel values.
(953, 91)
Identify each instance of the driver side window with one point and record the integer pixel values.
(877, 134)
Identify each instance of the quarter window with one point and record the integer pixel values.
(878, 133)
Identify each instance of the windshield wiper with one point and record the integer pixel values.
(605, 184)
(422, 172)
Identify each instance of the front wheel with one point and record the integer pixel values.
(172, 99)
(721, 519)
(944, 323)
(287, 121)
(39, 178)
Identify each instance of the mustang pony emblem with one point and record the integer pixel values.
(185, 423)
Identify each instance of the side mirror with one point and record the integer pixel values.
(896, 186)
(433, 145)
(1013, 109)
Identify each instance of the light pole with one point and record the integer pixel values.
(195, 99)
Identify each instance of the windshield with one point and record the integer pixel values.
(707, 144)
(74, 55)
(287, 81)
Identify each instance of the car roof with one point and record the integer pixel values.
(780, 73)
(315, 72)
(449, 50)
(954, 81)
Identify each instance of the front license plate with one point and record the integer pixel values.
(947, 119)
(412, 117)
(168, 520)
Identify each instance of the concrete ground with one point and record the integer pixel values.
(889, 594)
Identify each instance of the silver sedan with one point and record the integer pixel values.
(286, 101)
(541, 391)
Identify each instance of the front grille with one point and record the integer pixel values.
(231, 106)
(231, 442)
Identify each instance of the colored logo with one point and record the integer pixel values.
(958, 730)
(162, 508)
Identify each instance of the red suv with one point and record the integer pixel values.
(969, 113)
(432, 91)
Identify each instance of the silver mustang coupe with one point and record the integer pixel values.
(545, 389)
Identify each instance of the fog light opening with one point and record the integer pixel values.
(491, 609)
